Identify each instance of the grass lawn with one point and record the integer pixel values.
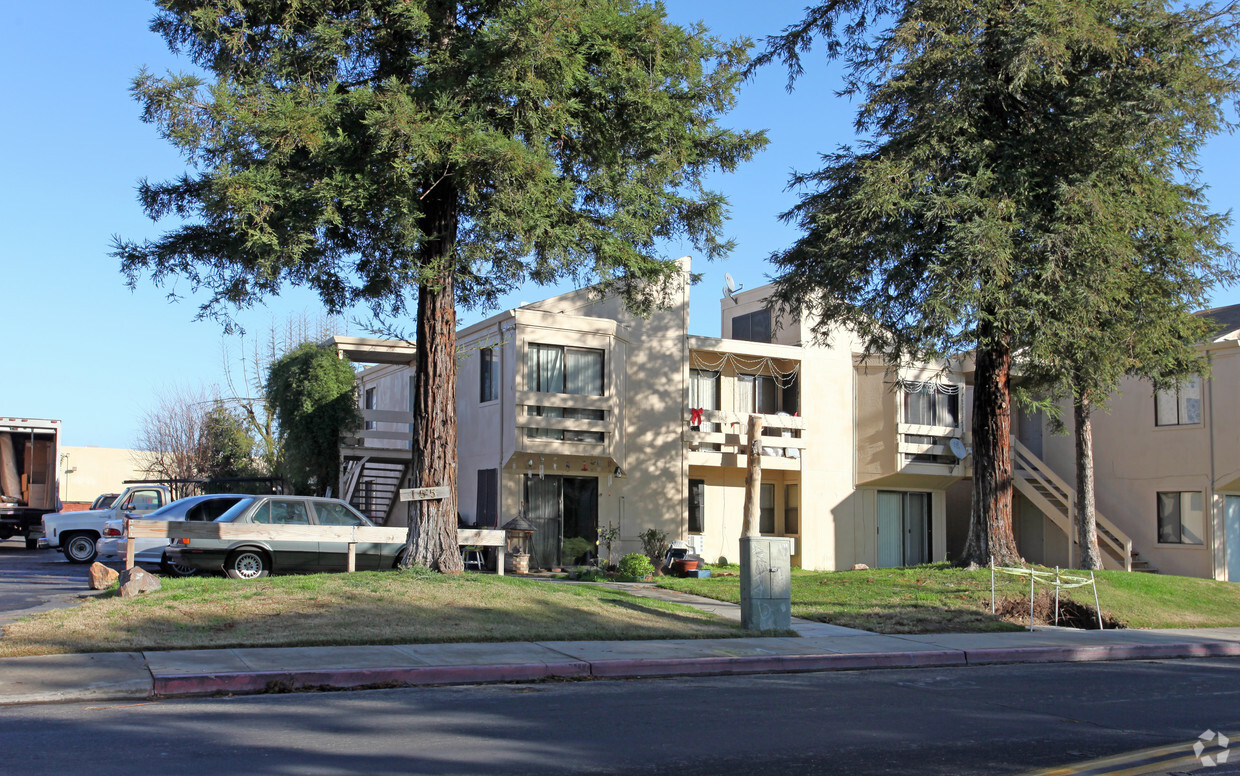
(942, 599)
(388, 607)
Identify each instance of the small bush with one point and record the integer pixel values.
(590, 574)
(723, 561)
(655, 545)
(635, 566)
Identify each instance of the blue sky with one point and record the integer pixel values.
(83, 348)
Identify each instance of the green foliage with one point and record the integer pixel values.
(567, 137)
(573, 548)
(1027, 171)
(655, 545)
(636, 566)
(313, 394)
(230, 448)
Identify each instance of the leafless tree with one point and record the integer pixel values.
(172, 437)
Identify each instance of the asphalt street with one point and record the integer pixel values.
(34, 580)
(975, 720)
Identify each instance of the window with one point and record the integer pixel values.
(574, 371)
(1179, 406)
(330, 513)
(487, 503)
(930, 406)
(143, 501)
(1181, 519)
(757, 393)
(704, 395)
(792, 516)
(754, 327)
(368, 402)
(766, 507)
(489, 378)
(281, 513)
(697, 505)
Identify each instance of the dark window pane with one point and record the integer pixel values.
(697, 505)
(1169, 518)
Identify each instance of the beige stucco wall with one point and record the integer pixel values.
(97, 470)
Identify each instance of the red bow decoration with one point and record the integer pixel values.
(695, 417)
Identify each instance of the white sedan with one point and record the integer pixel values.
(113, 543)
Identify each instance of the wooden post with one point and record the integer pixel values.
(352, 557)
(128, 547)
(753, 479)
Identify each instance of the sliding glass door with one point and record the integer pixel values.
(903, 528)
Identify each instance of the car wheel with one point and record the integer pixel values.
(173, 569)
(247, 564)
(79, 547)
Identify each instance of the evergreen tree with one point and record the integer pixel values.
(314, 395)
(1012, 156)
(379, 150)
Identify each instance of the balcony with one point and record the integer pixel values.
(726, 443)
(565, 423)
(928, 445)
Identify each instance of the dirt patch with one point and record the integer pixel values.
(1071, 613)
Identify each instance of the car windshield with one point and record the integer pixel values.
(235, 511)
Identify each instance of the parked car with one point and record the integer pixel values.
(114, 543)
(104, 500)
(254, 558)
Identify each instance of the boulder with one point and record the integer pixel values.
(860, 567)
(101, 577)
(135, 581)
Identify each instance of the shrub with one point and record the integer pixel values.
(636, 566)
(655, 545)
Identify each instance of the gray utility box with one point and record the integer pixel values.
(766, 583)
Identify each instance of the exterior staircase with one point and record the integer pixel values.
(371, 484)
(1057, 501)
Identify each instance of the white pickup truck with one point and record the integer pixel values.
(75, 533)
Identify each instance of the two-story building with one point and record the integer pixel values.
(579, 415)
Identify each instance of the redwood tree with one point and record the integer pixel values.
(381, 151)
(995, 138)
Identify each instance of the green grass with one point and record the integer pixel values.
(389, 607)
(943, 599)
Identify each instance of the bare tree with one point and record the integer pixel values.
(172, 437)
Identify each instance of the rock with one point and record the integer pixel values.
(135, 581)
(860, 567)
(101, 577)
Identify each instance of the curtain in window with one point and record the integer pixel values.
(1169, 517)
(545, 368)
(744, 394)
(1190, 401)
(584, 372)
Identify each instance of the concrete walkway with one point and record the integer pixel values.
(818, 647)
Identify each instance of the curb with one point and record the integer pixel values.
(1100, 653)
(186, 685)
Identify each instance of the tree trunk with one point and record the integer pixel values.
(432, 539)
(1086, 521)
(990, 523)
(753, 480)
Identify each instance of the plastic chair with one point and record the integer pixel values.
(473, 560)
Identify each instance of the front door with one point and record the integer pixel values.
(903, 528)
(1231, 512)
(564, 513)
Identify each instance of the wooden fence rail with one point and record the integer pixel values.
(160, 529)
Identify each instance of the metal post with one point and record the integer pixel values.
(1031, 600)
(992, 585)
(1056, 595)
(1097, 606)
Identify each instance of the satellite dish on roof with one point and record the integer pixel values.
(958, 448)
(729, 286)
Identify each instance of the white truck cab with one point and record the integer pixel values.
(75, 533)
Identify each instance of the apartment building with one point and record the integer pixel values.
(577, 415)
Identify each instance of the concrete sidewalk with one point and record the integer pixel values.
(818, 647)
